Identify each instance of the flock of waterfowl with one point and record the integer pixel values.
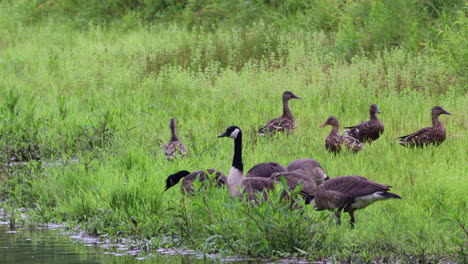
(307, 176)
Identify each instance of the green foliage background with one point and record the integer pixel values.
(88, 88)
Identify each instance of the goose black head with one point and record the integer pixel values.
(173, 179)
(309, 199)
(331, 121)
(289, 95)
(438, 110)
(232, 132)
(374, 109)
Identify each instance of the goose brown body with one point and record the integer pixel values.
(265, 169)
(367, 131)
(251, 187)
(284, 123)
(174, 148)
(334, 141)
(349, 193)
(209, 176)
(434, 135)
(310, 168)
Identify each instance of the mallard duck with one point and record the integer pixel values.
(349, 193)
(429, 135)
(251, 187)
(210, 176)
(367, 131)
(335, 140)
(175, 147)
(286, 122)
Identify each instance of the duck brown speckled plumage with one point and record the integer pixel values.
(367, 131)
(335, 140)
(210, 176)
(434, 135)
(175, 147)
(286, 122)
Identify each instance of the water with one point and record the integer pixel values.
(56, 246)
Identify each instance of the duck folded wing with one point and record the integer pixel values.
(423, 135)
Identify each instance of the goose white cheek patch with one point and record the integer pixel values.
(234, 133)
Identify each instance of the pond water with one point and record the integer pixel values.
(56, 246)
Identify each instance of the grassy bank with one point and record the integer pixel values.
(104, 96)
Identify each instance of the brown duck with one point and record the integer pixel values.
(429, 135)
(286, 122)
(349, 193)
(210, 176)
(335, 140)
(175, 147)
(367, 131)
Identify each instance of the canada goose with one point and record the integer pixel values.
(294, 178)
(174, 147)
(349, 193)
(368, 131)
(286, 122)
(211, 176)
(237, 182)
(428, 135)
(310, 168)
(265, 169)
(335, 140)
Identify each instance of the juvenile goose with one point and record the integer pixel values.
(335, 140)
(310, 168)
(349, 193)
(367, 131)
(210, 176)
(293, 179)
(174, 147)
(240, 185)
(429, 135)
(286, 122)
(265, 169)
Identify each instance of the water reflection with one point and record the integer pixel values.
(53, 246)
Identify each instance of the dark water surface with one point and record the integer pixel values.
(56, 246)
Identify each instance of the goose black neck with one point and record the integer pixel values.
(237, 161)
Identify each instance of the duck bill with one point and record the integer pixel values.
(447, 113)
(378, 111)
(296, 97)
(324, 125)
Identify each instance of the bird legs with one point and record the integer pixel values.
(351, 214)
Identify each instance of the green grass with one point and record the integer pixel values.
(105, 96)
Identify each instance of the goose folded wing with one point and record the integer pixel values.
(355, 186)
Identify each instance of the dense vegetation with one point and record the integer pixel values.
(88, 88)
